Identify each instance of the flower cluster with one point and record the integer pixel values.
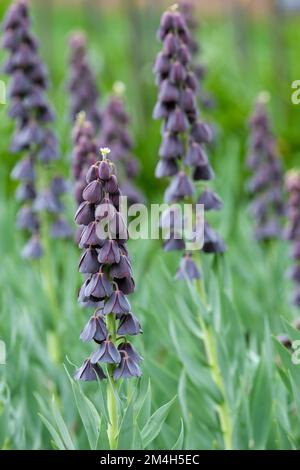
(182, 151)
(266, 184)
(31, 111)
(293, 229)
(115, 134)
(108, 277)
(82, 83)
(187, 8)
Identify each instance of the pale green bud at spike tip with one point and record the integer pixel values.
(174, 7)
(2, 92)
(264, 96)
(119, 88)
(81, 117)
(105, 151)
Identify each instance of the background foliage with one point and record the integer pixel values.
(40, 405)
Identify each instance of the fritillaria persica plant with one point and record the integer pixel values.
(106, 266)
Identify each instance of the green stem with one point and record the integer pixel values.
(112, 405)
(48, 273)
(223, 409)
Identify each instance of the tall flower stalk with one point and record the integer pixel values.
(187, 8)
(82, 84)
(108, 281)
(84, 154)
(182, 152)
(183, 158)
(293, 229)
(266, 184)
(115, 134)
(39, 195)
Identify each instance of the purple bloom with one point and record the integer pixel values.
(188, 268)
(32, 113)
(106, 352)
(127, 368)
(89, 261)
(117, 304)
(108, 280)
(33, 248)
(88, 372)
(82, 86)
(109, 253)
(99, 286)
(94, 329)
(129, 325)
(184, 136)
(266, 183)
(61, 228)
(210, 200)
(293, 229)
(115, 135)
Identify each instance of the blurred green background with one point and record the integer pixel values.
(246, 50)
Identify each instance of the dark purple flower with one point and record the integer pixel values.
(174, 243)
(266, 183)
(99, 286)
(25, 192)
(180, 188)
(85, 213)
(108, 276)
(213, 243)
(188, 269)
(88, 372)
(293, 229)
(26, 219)
(121, 269)
(89, 235)
(31, 111)
(210, 200)
(89, 261)
(127, 368)
(126, 285)
(106, 352)
(33, 248)
(115, 134)
(166, 168)
(24, 170)
(94, 329)
(129, 325)
(93, 192)
(109, 253)
(195, 156)
(126, 347)
(61, 228)
(82, 85)
(182, 152)
(117, 304)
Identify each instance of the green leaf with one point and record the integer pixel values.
(88, 413)
(144, 407)
(126, 430)
(65, 435)
(55, 436)
(182, 396)
(261, 406)
(179, 443)
(153, 427)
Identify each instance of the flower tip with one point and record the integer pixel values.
(174, 7)
(264, 97)
(119, 88)
(80, 118)
(104, 151)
